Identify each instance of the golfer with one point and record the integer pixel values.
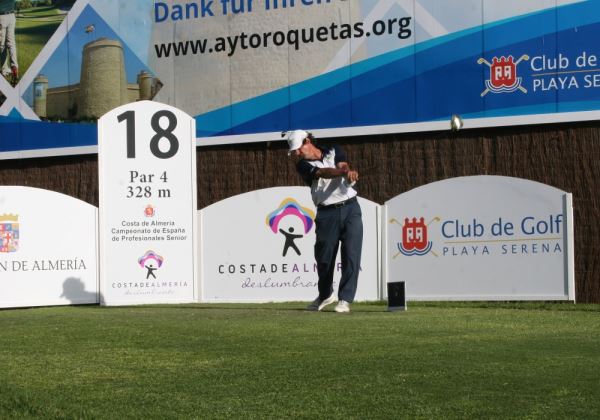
(338, 220)
(8, 46)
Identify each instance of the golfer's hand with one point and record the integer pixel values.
(352, 176)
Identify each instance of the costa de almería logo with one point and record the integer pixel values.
(151, 261)
(289, 207)
(290, 222)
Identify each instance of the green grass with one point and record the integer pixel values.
(278, 361)
(34, 28)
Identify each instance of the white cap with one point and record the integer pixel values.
(295, 139)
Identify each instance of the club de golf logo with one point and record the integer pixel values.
(414, 237)
(151, 261)
(9, 233)
(290, 207)
(503, 75)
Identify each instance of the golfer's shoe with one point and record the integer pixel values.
(342, 306)
(319, 303)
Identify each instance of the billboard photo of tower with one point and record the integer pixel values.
(91, 72)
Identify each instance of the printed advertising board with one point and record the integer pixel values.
(481, 238)
(147, 176)
(248, 69)
(48, 249)
(259, 247)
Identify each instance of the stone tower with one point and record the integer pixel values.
(103, 84)
(145, 81)
(40, 89)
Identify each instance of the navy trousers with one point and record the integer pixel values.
(334, 226)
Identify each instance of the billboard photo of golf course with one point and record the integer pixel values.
(36, 22)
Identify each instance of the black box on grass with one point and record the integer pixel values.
(396, 296)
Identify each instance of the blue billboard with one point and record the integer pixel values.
(247, 70)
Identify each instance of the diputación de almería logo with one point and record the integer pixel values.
(290, 208)
(9, 233)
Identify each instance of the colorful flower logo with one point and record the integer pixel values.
(290, 207)
(151, 261)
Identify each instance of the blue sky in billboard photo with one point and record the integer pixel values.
(131, 19)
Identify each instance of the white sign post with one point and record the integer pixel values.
(147, 175)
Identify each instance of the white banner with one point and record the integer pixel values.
(147, 166)
(481, 238)
(258, 247)
(47, 249)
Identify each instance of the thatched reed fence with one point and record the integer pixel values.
(566, 156)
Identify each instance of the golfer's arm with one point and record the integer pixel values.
(330, 172)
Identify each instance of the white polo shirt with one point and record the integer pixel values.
(326, 191)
